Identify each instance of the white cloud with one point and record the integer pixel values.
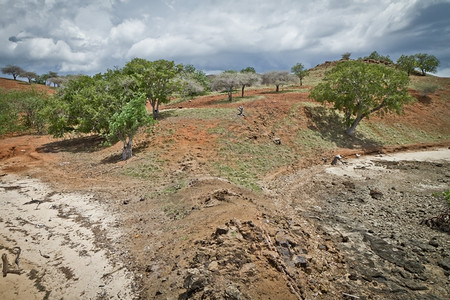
(90, 35)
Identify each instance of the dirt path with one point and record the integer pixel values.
(69, 244)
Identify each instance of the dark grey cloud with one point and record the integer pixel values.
(91, 36)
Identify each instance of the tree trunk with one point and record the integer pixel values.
(351, 130)
(127, 148)
(243, 87)
(278, 88)
(301, 83)
(230, 95)
(155, 109)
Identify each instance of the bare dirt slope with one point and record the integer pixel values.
(186, 221)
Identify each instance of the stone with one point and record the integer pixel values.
(195, 280)
(213, 266)
(232, 293)
(376, 194)
(433, 242)
(221, 230)
(300, 261)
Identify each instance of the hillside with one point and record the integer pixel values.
(10, 84)
(217, 205)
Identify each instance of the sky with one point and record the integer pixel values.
(91, 36)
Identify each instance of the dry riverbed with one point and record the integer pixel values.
(67, 244)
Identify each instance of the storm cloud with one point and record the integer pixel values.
(92, 36)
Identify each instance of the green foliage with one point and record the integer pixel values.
(8, 113)
(22, 110)
(299, 71)
(407, 63)
(346, 56)
(248, 70)
(376, 56)
(445, 194)
(110, 104)
(193, 82)
(427, 63)
(359, 89)
(157, 80)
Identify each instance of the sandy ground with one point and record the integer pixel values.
(62, 241)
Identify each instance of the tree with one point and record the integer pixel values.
(125, 123)
(278, 78)
(376, 56)
(109, 104)
(248, 77)
(427, 63)
(407, 63)
(299, 71)
(346, 56)
(193, 82)
(13, 70)
(360, 89)
(227, 80)
(248, 70)
(158, 80)
(29, 75)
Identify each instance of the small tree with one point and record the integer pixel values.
(193, 82)
(248, 70)
(300, 71)
(360, 89)
(427, 63)
(407, 63)
(125, 123)
(248, 77)
(346, 56)
(158, 80)
(227, 80)
(376, 56)
(13, 70)
(29, 75)
(278, 78)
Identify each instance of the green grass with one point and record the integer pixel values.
(245, 162)
(204, 113)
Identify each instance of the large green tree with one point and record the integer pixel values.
(427, 63)
(300, 71)
(109, 104)
(407, 63)
(360, 89)
(157, 80)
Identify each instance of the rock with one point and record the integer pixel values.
(413, 266)
(376, 194)
(323, 247)
(221, 230)
(277, 141)
(232, 293)
(444, 265)
(300, 261)
(125, 202)
(433, 242)
(195, 281)
(415, 286)
(213, 266)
